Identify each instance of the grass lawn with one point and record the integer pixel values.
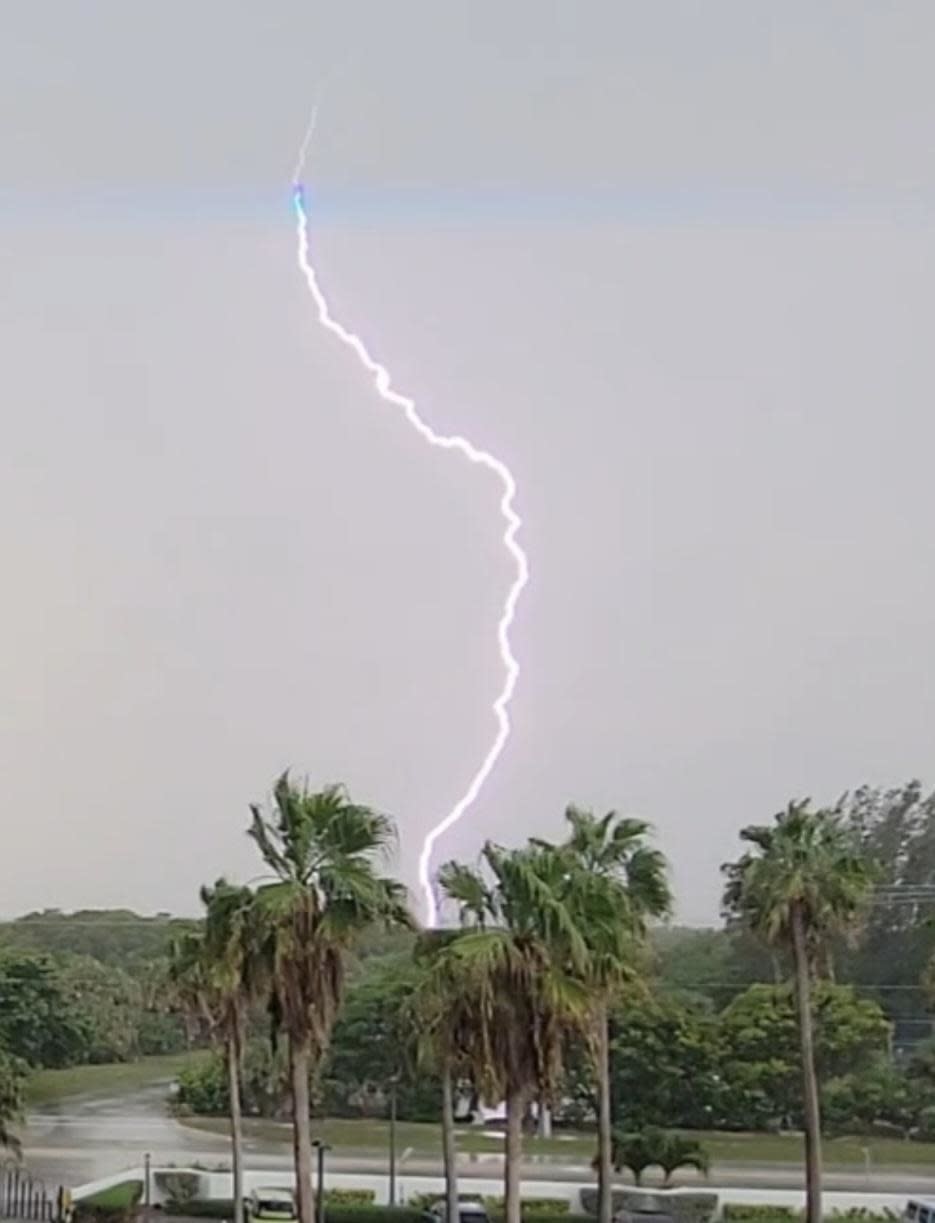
(117, 1197)
(369, 1137)
(120, 1078)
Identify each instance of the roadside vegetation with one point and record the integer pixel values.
(314, 996)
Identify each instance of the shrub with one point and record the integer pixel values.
(926, 1123)
(541, 1207)
(422, 1201)
(860, 1214)
(373, 1214)
(103, 1214)
(202, 1208)
(349, 1197)
(530, 1216)
(736, 1213)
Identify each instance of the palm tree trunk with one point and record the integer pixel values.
(449, 1156)
(605, 1187)
(515, 1107)
(233, 1081)
(299, 1059)
(809, 1077)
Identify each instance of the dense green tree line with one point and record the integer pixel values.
(672, 1064)
(68, 1010)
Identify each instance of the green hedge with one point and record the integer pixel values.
(349, 1197)
(336, 1211)
(540, 1207)
(422, 1201)
(736, 1213)
(786, 1214)
(530, 1216)
(372, 1214)
(201, 1208)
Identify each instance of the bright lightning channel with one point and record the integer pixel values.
(482, 458)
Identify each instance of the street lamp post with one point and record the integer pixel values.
(393, 1083)
(320, 1148)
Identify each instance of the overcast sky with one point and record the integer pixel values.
(673, 261)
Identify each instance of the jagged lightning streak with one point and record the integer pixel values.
(482, 458)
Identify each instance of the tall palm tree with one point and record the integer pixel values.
(231, 965)
(615, 883)
(802, 882)
(442, 1010)
(323, 850)
(515, 958)
(211, 976)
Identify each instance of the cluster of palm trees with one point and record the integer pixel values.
(547, 936)
(284, 944)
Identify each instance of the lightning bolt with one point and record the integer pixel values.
(480, 458)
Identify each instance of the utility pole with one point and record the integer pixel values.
(147, 1186)
(393, 1082)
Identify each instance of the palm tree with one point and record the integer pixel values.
(677, 1152)
(615, 883)
(443, 1013)
(656, 1148)
(802, 882)
(322, 849)
(211, 979)
(231, 967)
(515, 960)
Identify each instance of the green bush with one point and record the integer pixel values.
(544, 1207)
(925, 1128)
(103, 1214)
(736, 1213)
(860, 1214)
(349, 1197)
(372, 1214)
(202, 1208)
(531, 1216)
(763, 1214)
(422, 1201)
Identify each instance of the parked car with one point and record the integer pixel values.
(272, 1203)
(469, 1211)
(919, 1210)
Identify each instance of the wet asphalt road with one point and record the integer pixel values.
(83, 1139)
